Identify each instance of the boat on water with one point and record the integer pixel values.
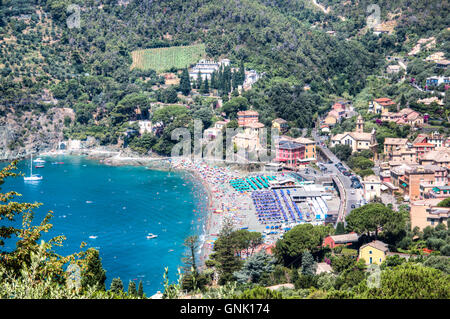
(151, 236)
(39, 161)
(57, 163)
(39, 166)
(32, 178)
(92, 237)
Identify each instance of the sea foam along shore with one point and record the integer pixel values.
(215, 181)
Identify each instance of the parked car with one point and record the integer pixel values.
(353, 206)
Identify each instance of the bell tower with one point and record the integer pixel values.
(360, 124)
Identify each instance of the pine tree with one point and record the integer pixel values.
(225, 253)
(205, 88)
(214, 80)
(93, 274)
(140, 291)
(308, 264)
(199, 81)
(340, 229)
(116, 285)
(132, 289)
(185, 83)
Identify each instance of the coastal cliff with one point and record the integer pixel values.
(30, 132)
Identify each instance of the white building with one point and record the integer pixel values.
(206, 68)
(372, 187)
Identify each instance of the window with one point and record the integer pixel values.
(370, 252)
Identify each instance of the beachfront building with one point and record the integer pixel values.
(425, 213)
(250, 138)
(373, 252)
(310, 148)
(358, 140)
(290, 153)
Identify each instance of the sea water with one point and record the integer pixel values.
(113, 209)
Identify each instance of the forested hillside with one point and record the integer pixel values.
(87, 69)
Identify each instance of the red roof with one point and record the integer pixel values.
(424, 144)
(385, 101)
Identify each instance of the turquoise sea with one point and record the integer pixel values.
(113, 209)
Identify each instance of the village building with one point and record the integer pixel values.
(393, 69)
(393, 146)
(290, 153)
(437, 80)
(437, 139)
(430, 100)
(422, 148)
(413, 178)
(405, 116)
(371, 187)
(247, 117)
(425, 213)
(435, 57)
(358, 140)
(341, 109)
(439, 157)
(440, 179)
(373, 252)
(441, 192)
(281, 125)
(340, 240)
(442, 64)
(213, 132)
(206, 68)
(310, 148)
(381, 105)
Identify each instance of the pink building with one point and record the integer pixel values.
(290, 152)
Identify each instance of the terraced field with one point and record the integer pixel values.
(162, 59)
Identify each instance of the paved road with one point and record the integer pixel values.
(352, 196)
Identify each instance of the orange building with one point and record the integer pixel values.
(247, 117)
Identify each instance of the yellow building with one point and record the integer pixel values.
(281, 125)
(310, 147)
(330, 120)
(373, 252)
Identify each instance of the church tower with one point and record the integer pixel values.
(360, 124)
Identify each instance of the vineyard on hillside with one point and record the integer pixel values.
(162, 59)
